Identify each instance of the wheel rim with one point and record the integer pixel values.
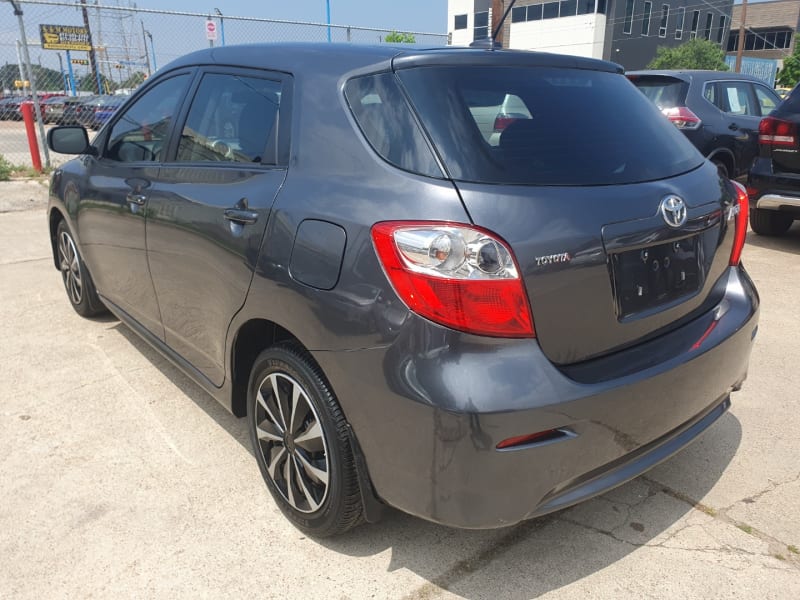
(70, 267)
(291, 442)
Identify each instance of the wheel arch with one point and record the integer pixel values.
(725, 156)
(54, 218)
(251, 338)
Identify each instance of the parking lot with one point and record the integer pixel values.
(120, 477)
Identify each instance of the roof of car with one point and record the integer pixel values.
(696, 75)
(341, 58)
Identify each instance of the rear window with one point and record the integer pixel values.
(542, 126)
(664, 92)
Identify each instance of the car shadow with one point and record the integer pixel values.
(788, 242)
(528, 559)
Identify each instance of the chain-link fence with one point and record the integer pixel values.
(84, 55)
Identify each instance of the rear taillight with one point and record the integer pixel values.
(776, 132)
(456, 275)
(740, 210)
(502, 121)
(682, 117)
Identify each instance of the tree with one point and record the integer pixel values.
(133, 81)
(789, 75)
(87, 83)
(694, 54)
(400, 38)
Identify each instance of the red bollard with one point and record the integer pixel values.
(30, 129)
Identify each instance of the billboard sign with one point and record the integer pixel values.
(764, 69)
(65, 37)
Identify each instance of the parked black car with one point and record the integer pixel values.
(9, 107)
(409, 307)
(73, 109)
(774, 180)
(718, 111)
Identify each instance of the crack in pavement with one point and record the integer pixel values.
(478, 560)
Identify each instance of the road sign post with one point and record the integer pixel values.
(211, 32)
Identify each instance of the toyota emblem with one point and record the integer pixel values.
(673, 209)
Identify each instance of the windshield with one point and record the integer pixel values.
(545, 126)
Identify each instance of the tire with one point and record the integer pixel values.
(295, 465)
(769, 222)
(78, 282)
(722, 168)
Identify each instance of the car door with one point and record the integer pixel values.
(737, 100)
(111, 216)
(210, 207)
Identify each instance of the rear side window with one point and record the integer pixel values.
(386, 121)
(664, 92)
(578, 127)
(232, 119)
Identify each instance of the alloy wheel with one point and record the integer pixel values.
(292, 442)
(70, 267)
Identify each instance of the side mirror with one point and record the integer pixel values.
(69, 139)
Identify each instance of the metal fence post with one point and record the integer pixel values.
(26, 55)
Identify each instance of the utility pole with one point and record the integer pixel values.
(742, 33)
(497, 19)
(92, 56)
(146, 53)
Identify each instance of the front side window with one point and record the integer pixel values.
(232, 119)
(140, 134)
(648, 8)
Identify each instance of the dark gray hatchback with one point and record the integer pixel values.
(475, 285)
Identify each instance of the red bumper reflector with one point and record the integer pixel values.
(531, 438)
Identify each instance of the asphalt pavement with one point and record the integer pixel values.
(119, 477)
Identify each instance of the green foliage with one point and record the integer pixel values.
(400, 38)
(87, 83)
(6, 168)
(789, 75)
(694, 54)
(134, 80)
(47, 80)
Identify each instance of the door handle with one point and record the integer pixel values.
(136, 198)
(239, 215)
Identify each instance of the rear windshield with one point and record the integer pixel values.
(542, 126)
(664, 92)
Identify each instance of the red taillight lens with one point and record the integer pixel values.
(741, 212)
(532, 438)
(682, 117)
(456, 275)
(503, 121)
(776, 132)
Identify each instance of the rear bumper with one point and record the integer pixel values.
(430, 409)
(772, 190)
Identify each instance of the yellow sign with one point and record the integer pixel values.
(18, 83)
(65, 37)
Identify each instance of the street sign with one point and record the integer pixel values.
(211, 30)
(79, 61)
(64, 37)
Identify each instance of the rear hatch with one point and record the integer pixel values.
(585, 183)
(778, 135)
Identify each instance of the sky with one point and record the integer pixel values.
(174, 36)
